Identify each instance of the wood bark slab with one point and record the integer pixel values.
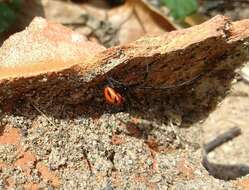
(48, 57)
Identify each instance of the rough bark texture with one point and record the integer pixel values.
(38, 59)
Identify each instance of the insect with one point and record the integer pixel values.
(113, 97)
(112, 92)
(114, 89)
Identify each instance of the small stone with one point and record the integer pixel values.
(130, 162)
(108, 187)
(156, 178)
(149, 162)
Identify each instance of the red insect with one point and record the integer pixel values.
(113, 97)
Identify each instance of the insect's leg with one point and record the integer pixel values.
(114, 83)
(110, 82)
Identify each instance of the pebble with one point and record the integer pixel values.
(156, 178)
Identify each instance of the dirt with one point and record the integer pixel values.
(152, 144)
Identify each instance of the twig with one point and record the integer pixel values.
(88, 162)
(223, 171)
(139, 19)
(43, 114)
(125, 20)
(221, 139)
